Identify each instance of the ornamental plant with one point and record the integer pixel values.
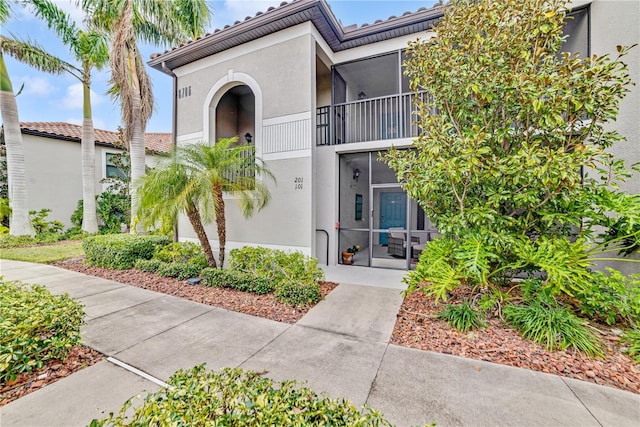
(236, 397)
(35, 326)
(511, 162)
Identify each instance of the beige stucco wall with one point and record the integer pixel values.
(54, 176)
(282, 73)
(284, 223)
(617, 23)
(282, 70)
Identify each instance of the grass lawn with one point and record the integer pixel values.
(44, 253)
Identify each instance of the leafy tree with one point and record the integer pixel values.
(510, 125)
(90, 49)
(30, 53)
(155, 22)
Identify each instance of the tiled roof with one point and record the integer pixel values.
(154, 141)
(293, 13)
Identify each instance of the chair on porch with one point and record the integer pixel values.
(397, 243)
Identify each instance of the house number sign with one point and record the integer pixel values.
(183, 92)
(297, 183)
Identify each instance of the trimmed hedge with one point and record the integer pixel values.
(298, 294)
(235, 397)
(258, 284)
(148, 265)
(35, 326)
(121, 251)
(179, 270)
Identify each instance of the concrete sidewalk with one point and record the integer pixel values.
(341, 347)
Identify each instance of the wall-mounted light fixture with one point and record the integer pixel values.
(248, 137)
(356, 174)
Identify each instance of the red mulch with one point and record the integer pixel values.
(418, 327)
(265, 306)
(80, 357)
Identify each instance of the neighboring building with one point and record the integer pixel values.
(320, 101)
(53, 163)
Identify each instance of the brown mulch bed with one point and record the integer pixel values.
(80, 357)
(265, 306)
(418, 327)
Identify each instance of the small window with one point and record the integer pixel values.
(112, 170)
(358, 207)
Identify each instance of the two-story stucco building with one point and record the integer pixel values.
(320, 102)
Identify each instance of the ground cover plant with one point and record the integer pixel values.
(35, 327)
(512, 167)
(236, 397)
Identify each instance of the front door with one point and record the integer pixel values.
(393, 212)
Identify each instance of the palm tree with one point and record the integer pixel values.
(167, 190)
(32, 54)
(90, 48)
(227, 168)
(155, 22)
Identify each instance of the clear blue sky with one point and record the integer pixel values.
(48, 98)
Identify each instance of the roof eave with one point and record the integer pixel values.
(333, 32)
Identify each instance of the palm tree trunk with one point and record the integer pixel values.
(19, 222)
(136, 153)
(196, 223)
(220, 221)
(89, 216)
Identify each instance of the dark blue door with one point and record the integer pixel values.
(393, 212)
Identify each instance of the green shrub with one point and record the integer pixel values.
(42, 225)
(612, 298)
(241, 281)
(149, 265)
(74, 233)
(463, 317)
(120, 251)
(632, 337)
(78, 214)
(49, 237)
(298, 294)
(114, 210)
(235, 397)
(278, 266)
(178, 252)
(179, 270)
(552, 327)
(8, 241)
(35, 326)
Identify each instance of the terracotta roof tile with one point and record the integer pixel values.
(154, 141)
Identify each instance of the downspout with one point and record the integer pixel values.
(174, 121)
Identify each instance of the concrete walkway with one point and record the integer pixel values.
(341, 347)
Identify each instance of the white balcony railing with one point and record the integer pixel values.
(373, 119)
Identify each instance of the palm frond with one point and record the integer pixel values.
(34, 55)
(5, 11)
(58, 21)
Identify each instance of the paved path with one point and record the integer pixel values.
(341, 347)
